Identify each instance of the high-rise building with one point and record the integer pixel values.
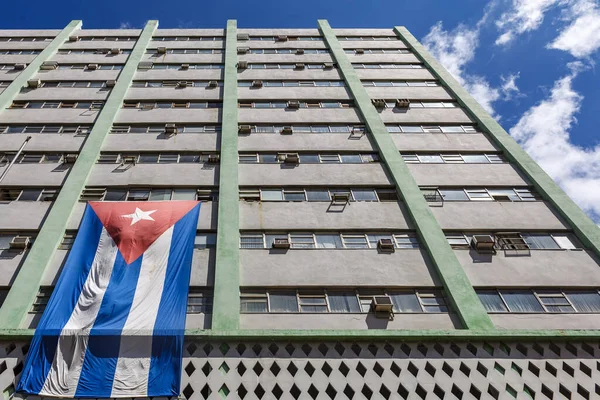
(366, 229)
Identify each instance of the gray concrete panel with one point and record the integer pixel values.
(412, 93)
(161, 116)
(23, 215)
(546, 321)
(476, 142)
(303, 115)
(172, 93)
(293, 93)
(466, 175)
(321, 215)
(426, 115)
(50, 115)
(35, 175)
(154, 174)
(42, 142)
(193, 142)
(58, 94)
(302, 141)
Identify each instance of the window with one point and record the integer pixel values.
(253, 303)
(519, 301)
(492, 301)
(205, 241)
(585, 301)
(308, 158)
(199, 301)
(541, 301)
(355, 241)
(309, 240)
(452, 158)
(284, 301)
(387, 66)
(302, 241)
(178, 104)
(328, 241)
(252, 241)
(405, 302)
(343, 302)
(315, 303)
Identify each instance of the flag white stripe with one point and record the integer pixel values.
(133, 365)
(63, 376)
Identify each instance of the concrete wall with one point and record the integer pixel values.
(23, 215)
(466, 175)
(42, 142)
(172, 115)
(50, 115)
(155, 174)
(312, 174)
(336, 267)
(476, 142)
(320, 215)
(303, 115)
(35, 175)
(170, 93)
(160, 142)
(494, 215)
(304, 141)
(549, 268)
(546, 321)
(431, 115)
(59, 94)
(346, 321)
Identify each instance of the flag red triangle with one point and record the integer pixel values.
(135, 225)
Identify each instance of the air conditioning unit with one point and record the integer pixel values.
(245, 129)
(299, 66)
(70, 158)
(185, 66)
(281, 243)
(34, 83)
(213, 84)
(20, 66)
(20, 242)
(92, 67)
(242, 65)
(328, 65)
(386, 246)
(181, 84)
(213, 158)
(281, 38)
(379, 103)
(291, 158)
(111, 83)
(243, 50)
(300, 51)
(145, 65)
(483, 243)
(257, 84)
(171, 129)
(161, 50)
(243, 36)
(402, 103)
(359, 51)
(115, 51)
(293, 104)
(383, 307)
(128, 160)
(73, 38)
(48, 65)
(286, 130)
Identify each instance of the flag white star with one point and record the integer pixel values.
(139, 215)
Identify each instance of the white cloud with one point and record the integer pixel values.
(582, 37)
(523, 16)
(543, 131)
(509, 87)
(454, 50)
(125, 25)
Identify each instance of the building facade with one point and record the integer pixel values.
(366, 229)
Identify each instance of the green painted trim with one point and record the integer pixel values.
(455, 281)
(26, 285)
(363, 335)
(586, 230)
(226, 298)
(13, 90)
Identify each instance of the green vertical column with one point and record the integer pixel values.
(226, 300)
(8, 95)
(587, 231)
(456, 284)
(25, 287)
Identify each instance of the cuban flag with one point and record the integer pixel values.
(115, 323)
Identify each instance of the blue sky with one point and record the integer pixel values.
(531, 63)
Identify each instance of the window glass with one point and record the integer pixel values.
(340, 302)
(160, 194)
(430, 158)
(5, 242)
(452, 129)
(411, 129)
(387, 195)
(187, 158)
(497, 193)
(492, 301)
(454, 195)
(116, 195)
(478, 195)
(475, 158)
(364, 195)
(309, 158)
(205, 240)
(251, 241)
(268, 158)
(540, 241)
(166, 158)
(271, 195)
(302, 241)
(138, 195)
(313, 304)
(317, 195)
(355, 241)
(555, 302)
(30, 194)
(184, 194)
(328, 241)
(406, 242)
(253, 304)
(293, 195)
(351, 158)
(564, 242)
(405, 302)
(583, 301)
(522, 301)
(283, 302)
(433, 303)
(247, 158)
(148, 158)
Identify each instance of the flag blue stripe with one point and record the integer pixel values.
(61, 304)
(164, 378)
(98, 369)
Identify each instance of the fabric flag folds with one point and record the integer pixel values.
(114, 325)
